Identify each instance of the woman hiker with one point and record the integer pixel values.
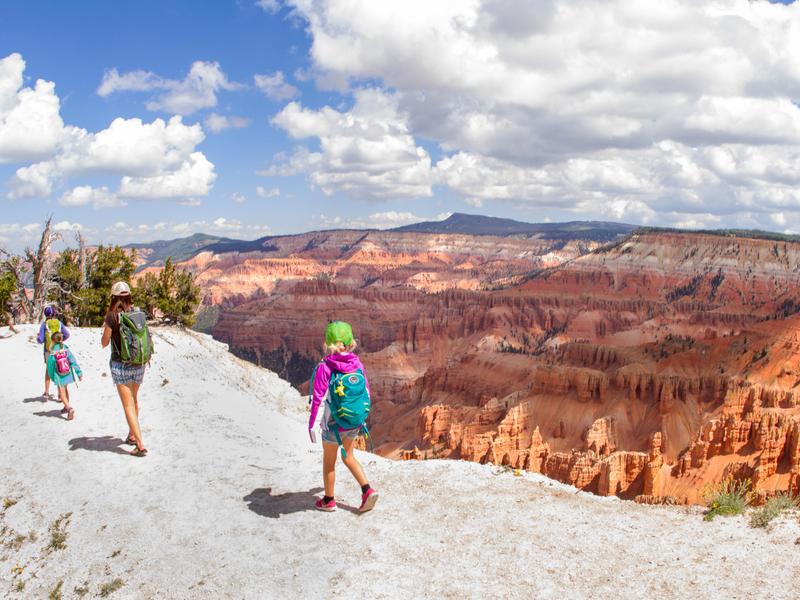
(127, 378)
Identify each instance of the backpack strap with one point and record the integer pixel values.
(368, 437)
(311, 384)
(334, 382)
(339, 441)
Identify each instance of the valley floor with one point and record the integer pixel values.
(222, 506)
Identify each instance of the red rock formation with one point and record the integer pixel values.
(601, 437)
(651, 484)
(621, 473)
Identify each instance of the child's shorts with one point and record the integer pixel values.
(328, 435)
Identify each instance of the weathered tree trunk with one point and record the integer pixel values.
(81, 259)
(42, 267)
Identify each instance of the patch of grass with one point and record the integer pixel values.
(33, 536)
(772, 509)
(727, 498)
(9, 502)
(55, 593)
(19, 586)
(115, 553)
(58, 532)
(82, 590)
(112, 586)
(17, 541)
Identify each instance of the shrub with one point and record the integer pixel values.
(112, 586)
(58, 532)
(772, 509)
(55, 593)
(727, 498)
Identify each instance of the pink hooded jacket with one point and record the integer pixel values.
(340, 363)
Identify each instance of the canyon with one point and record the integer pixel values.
(647, 364)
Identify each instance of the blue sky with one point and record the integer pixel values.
(377, 114)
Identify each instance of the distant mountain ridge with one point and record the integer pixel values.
(482, 225)
(181, 249)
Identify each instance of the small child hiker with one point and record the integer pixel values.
(340, 382)
(62, 369)
(49, 326)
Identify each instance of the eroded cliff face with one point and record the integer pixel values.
(646, 370)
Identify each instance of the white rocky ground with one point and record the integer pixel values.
(222, 506)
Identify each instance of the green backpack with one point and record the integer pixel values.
(51, 327)
(349, 403)
(136, 346)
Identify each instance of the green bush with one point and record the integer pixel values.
(772, 509)
(727, 498)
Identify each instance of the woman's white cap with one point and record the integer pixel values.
(120, 289)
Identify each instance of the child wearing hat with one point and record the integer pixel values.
(62, 369)
(339, 358)
(48, 328)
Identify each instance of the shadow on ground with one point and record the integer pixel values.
(262, 502)
(104, 443)
(39, 399)
(51, 413)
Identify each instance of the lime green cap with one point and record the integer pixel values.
(339, 331)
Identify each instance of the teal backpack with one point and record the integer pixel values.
(349, 403)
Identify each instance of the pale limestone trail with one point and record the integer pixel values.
(222, 506)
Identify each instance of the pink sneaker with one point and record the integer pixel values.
(329, 507)
(368, 500)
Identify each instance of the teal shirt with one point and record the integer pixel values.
(52, 372)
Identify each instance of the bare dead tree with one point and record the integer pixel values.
(41, 262)
(82, 264)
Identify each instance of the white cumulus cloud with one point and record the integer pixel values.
(196, 91)
(218, 123)
(30, 120)
(379, 220)
(85, 194)
(275, 86)
(366, 152)
(263, 192)
(155, 160)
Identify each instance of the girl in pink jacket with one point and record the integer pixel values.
(339, 346)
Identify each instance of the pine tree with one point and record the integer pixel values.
(8, 287)
(178, 296)
(105, 267)
(146, 294)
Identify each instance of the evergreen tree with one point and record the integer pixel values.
(146, 294)
(107, 265)
(8, 287)
(178, 296)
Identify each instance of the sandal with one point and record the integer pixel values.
(140, 452)
(130, 440)
(70, 414)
